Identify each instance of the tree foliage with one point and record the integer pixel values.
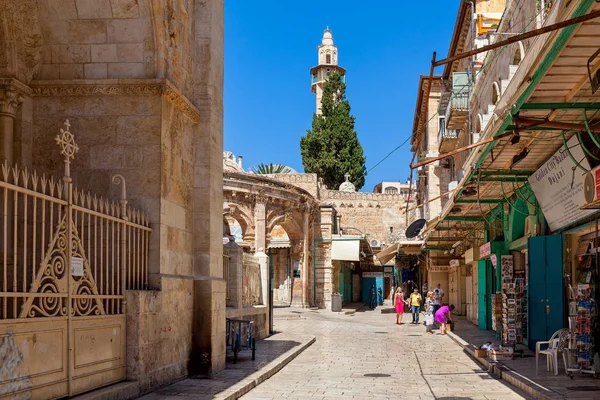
(267, 169)
(331, 149)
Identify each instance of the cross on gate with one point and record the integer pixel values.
(66, 141)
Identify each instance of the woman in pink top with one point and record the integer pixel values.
(399, 301)
(440, 317)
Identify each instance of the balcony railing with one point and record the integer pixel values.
(458, 106)
(447, 138)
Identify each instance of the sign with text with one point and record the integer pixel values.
(558, 186)
(485, 249)
(438, 268)
(454, 263)
(372, 274)
(76, 266)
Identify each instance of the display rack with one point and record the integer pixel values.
(582, 308)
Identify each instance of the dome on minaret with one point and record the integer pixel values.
(327, 38)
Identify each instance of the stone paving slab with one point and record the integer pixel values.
(520, 371)
(272, 354)
(367, 356)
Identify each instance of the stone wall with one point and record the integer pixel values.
(141, 82)
(378, 216)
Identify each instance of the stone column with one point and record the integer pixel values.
(260, 227)
(10, 101)
(263, 261)
(305, 260)
(234, 286)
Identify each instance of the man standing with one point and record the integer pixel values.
(437, 297)
(415, 305)
(372, 297)
(424, 289)
(439, 287)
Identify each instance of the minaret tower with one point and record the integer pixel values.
(328, 63)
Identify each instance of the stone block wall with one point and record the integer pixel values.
(378, 215)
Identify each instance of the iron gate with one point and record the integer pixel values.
(66, 259)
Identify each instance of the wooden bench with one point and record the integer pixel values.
(240, 337)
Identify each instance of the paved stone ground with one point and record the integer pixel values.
(350, 348)
(581, 387)
(270, 354)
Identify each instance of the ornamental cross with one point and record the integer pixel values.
(66, 141)
(347, 176)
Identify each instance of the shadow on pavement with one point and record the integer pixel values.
(204, 387)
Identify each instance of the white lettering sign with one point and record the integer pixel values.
(558, 186)
(76, 266)
(372, 274)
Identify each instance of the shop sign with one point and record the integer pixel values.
(558, 186)
(494, 259)
(388, 270)
(454, 263)
(372, 274)
(438, 268)
(485, 249)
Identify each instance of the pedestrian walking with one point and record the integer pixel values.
(372, 295)
(415, 305)
(399, 301)
(380, 295)
(441, 315)
(424, 289)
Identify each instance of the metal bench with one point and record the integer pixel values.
(240, 337)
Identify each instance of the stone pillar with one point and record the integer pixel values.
(263, 261)
(260, 227)
(208, 329)
(234, 285)
(10, 101)
(306, 269)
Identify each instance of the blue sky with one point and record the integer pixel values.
(270, 45)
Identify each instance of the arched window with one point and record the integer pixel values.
(328, 59)
(391, 190)
(519, 54)
(495, 93)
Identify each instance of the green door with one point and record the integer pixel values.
(484, 305)
(545, 289)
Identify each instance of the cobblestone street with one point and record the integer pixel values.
(366, 355)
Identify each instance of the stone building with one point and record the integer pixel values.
(523, 107)
(141, 84)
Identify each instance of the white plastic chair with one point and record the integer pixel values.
(555, 345)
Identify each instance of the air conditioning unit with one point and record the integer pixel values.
(591, 186)
(375, 243)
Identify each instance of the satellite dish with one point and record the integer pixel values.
(415, 228)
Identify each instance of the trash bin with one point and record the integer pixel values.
(336, 302)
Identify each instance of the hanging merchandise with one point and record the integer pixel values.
(582, 311)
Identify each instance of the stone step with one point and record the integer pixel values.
(512, 70)
(504, 84)
(118, 391)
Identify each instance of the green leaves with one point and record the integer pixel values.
(331, 149)
(266, 169)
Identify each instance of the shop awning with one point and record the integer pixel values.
(387, 254)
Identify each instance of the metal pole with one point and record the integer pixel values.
(523, 36)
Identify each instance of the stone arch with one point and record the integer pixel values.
(241, 214)
(289, 222)
(478, 127)
(518, 54)
(495, 93)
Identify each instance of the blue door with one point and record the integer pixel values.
(545, 289)
(483, 295)
(366, 284)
